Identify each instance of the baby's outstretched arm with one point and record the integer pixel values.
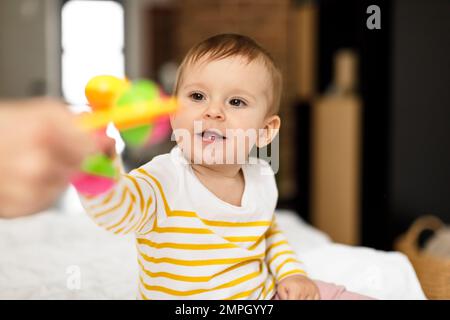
(290, 276)
(128, 206)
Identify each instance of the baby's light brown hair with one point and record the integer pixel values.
(230, 45)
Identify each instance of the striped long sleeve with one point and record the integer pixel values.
(280, 257)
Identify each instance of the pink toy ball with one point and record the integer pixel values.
(91, 185)
(161, 130)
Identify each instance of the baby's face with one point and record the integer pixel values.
(223, 106)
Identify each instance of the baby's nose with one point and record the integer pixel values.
(214, 113)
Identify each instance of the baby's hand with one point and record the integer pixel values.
(297, 287)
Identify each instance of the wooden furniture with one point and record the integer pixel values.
(335, 162)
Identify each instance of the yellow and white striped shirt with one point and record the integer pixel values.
(191, 244)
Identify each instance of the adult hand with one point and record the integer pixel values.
(40, 148)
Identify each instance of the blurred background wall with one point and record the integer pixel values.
(385, 157)
(29, 43)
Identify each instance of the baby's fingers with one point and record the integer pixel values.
(313, 296)
(296, 293)
(283, 293)
(307, 294)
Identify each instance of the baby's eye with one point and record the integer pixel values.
(196, 96)
(237, 102)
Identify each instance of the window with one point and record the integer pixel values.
(92, 44)
(92, 37)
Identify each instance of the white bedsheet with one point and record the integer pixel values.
(40, 256)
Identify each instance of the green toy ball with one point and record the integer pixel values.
(140, 91)
(136, 137)
(99, 165)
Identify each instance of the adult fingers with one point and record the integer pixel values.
(104, 143)
(70, 143)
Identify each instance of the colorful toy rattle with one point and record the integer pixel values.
(139, 110)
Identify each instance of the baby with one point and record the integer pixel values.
(203, 215)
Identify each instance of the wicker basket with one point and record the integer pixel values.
(433, 271)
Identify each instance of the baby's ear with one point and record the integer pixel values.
(270, 130)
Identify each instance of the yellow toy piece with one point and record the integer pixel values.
(103, 92)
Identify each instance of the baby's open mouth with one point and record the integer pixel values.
(211, 135)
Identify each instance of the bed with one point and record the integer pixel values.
(61, 254)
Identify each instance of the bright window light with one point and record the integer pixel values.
(92, 44)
